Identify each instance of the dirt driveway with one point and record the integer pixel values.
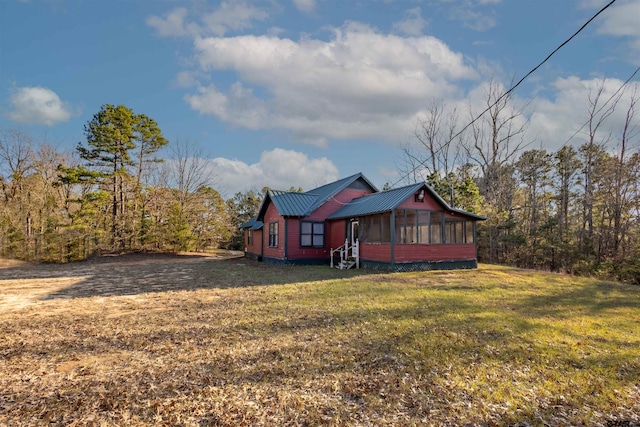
(23, 284)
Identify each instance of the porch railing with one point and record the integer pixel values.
(349, 255)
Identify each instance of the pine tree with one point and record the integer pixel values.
(119, 144)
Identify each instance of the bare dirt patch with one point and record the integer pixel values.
(23, 284)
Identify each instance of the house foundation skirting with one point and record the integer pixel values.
(252, 256)
(420, 265)
(296, 261)
(460, 264)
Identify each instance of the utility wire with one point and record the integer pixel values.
(511, 89)
(626, 82)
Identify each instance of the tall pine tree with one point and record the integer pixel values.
(118, 145)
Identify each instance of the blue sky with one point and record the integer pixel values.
(302, 92)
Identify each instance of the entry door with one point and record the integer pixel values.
(354, 231)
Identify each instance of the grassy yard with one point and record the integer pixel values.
(196, 342)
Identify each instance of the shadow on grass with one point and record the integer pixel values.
(133, 275)
(593, 297)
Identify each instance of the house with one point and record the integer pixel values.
(350, 223)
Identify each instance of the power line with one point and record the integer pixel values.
(511, 89)
(626, 82)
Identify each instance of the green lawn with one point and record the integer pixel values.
(240, 343)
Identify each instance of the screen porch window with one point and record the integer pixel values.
(412, 226)
(311, 234)
(416, 226)
(273, 235)
(436, 227)
(459, 232)
(375, 228)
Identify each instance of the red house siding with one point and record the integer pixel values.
(293, 237)
(449, 215)
(427, 203)
(430, 204)
(272, 216)
(416, 253)
(375, 252)
(337, 233)
(336, 202)
(256, 247)
(419, 252)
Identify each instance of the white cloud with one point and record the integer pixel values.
(239, 107)
(556, 121)
(413, 24)
(472, 13)
(173, 24)
(360, 84)
(592, 4)
(278, 169)
(622, 20)
(233, 15)
(475, 20)
(228, 16)
(37, 105)
(186, 79)
(306, 6)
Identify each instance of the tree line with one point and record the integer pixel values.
(112, 193)
(574, 210)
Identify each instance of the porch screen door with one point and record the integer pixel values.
(354, 231)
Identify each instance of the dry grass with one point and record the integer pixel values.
(197, 341)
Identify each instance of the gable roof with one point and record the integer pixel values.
(302, 204)
(327, 191)
(252, 224)
(292, 204)
(389, 200)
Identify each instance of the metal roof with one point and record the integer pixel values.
(447, 207)
(292, 204)
(249, 223)
(302, 204)
(375, 203)
(327, 191)
(389, 200)
(252, 224)
(257, 226)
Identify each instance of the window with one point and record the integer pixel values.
(423, 227)
(412, 226)
(436, 227)
(312, 234)
(450, 227)
(250, 238)
(459, 232)
(375, 228)
(386, 227)
(469, 231)
(411, 234)
(273, 235)
(401, 230)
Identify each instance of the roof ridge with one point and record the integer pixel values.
(359, 175)
(387, 200)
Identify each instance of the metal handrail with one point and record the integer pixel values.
(344, 253)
